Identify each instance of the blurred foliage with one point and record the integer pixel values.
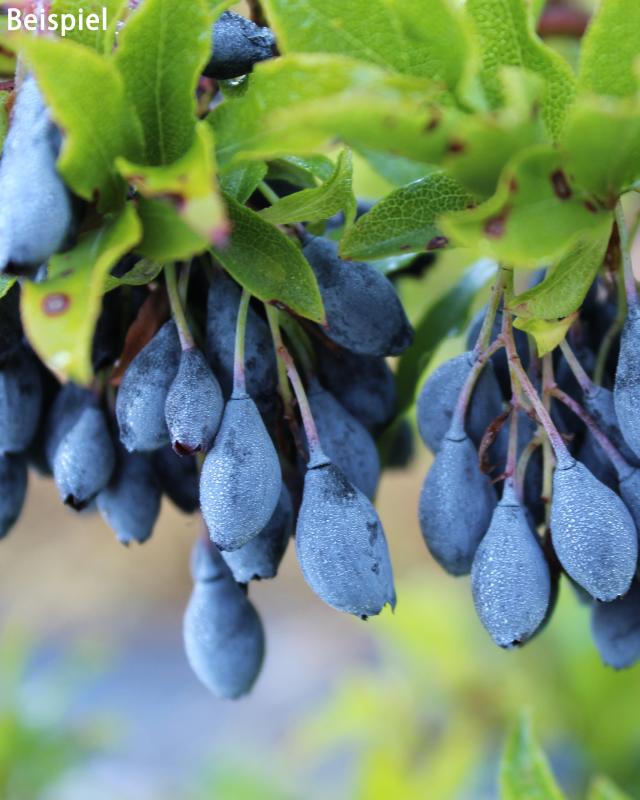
(39, 741)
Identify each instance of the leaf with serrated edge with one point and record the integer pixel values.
(405, 220)
(60, 313)
(314, 205)
(161, 52)
(547, 333)
(610, 50)
(563, 290)
(189, 183)
(514, 226)
(297, 105)
(268, 264)
(524, 772)
(508, 39)
(87, 99)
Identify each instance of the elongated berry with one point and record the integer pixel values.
(626, 393)
(223, 634)
(364, 313)
(13, 488)
(36, 210)
(439, 395)
(194, 405)
(600, 404)
(140, 405)
(130, 504)
(456, 505)
(238, 44)
(241, 479)
(364, 385)
(20, 401)
(615, 628)
(593, 533)
(80, 449)
(260, 558)
(341, 546)
(510, 576)
(178, 478)
(260, 362)
(346, 442)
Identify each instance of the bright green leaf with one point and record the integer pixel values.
(602, 142)
(508, 39)
(447, 315)
(547, 333)
(397, 170)
(565, 287)
(101, 40)
(604, 789)
(87, 99)
(314, 205)
(59, 314)
(241, 182)
(5, 285)
(167, 237)
(297, 105)
(161, 52)
(303, 172)
(610, 50)
(269, 265)
(140, 274)
(533, 218)
(406, 219)
(189, 183)
(524, 772)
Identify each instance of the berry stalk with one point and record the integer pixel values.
(239, 373)
(177, 309)
(316, 455)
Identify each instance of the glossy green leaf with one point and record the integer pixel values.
(315, 205)
(140, 274)
(397, 170)
(534, 217)
(5, 285)
(161, 52)
(547, 333)
(604, 789)
(609, 56)
(100, 124)
(406, 219)
(524, 772)
(563, 290)
(241, 182)
(297, 105)
(508, 39)
(602, 142)
(189, 183)
(304, 172)
(268, 264)
(60, 313)
(449, 314)
(101, 39)
(167, 237)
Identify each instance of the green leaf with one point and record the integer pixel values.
(547, 333)
(447, 315)
(397, 170)
(604, 789)
(101, 40)
(508, 39)
(535, 215)
(602, 142)
(167, 237)
(242, 181)
(609, 53)
(304, 172)
(189, 183)
(60, 313)
(161, 52)
(297, 105)
(5, 285)
(314, 205)
(141, 274)
(269, 265)
(524, 772)
(406, 219)
(563, 290)
(99, 125)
